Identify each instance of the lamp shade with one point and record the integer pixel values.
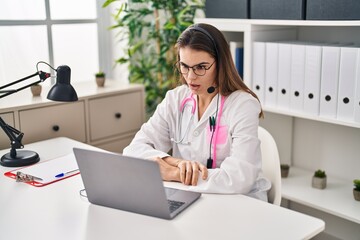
(62, 90)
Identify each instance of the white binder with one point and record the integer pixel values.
(313, 54)
(347, 77)
(258, 83)
(329, 81)
(284, 75)
(357, 91)
(271, 74)
(297, 77)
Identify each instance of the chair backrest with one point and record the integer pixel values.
(271, 165)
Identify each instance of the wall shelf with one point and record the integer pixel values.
(337, 198)
(306, 141)
(311, 117)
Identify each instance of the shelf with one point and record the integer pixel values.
(24, 99)
(226, 24)
(234, 24)
(297, 140)
(311, 117)
(336, 199)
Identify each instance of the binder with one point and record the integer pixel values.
(297, 78)
(258, 69)
(48, 170)
(349, 56)
(329, 81)
(239, 61)
(313, 55)
(284, 75)
(271, 74)
(237, 53)
(357, 91)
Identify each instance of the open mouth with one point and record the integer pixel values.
(194, 86)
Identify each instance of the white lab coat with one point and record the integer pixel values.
(238, 167)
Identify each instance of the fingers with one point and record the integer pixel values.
(195, 175)
(182, 167)
(204, 171)
(190, 170)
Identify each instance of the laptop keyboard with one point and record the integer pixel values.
(173, 205)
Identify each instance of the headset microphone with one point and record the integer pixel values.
(211, 89)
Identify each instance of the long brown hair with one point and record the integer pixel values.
(204, 37)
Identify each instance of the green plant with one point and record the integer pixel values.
(357, 184)
(320, 174)
(151, 29)
(100, 74)
(284, 166)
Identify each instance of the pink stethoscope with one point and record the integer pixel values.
(214, 127)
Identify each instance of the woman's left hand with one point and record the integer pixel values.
(184, 171)
(190, 170)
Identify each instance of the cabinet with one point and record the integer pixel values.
(307, 142)
(60, 120)
(107, 117)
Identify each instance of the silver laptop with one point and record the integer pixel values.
(129, 184)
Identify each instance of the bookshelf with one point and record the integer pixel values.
(304, 141)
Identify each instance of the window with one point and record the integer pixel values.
(59, 32)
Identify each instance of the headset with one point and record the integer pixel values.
(196, 27)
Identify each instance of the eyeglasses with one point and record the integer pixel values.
(199, 69)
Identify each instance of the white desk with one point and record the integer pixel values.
(57, 212)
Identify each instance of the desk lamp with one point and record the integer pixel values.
(62, 91)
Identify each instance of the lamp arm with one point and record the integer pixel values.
(43, 77)
(14, 135)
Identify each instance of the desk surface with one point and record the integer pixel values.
(58, 212)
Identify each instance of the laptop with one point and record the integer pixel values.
(129, 184)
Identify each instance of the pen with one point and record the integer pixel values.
(65, 174)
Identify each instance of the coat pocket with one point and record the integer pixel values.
(222, 135)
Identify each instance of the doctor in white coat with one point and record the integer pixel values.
(209, 123)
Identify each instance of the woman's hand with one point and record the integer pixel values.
(190, 170)
(168, 172)
(184, 171)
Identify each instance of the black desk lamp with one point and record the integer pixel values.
(61, 91)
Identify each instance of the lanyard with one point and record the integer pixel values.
(217, 131)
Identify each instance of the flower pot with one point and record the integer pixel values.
(36, 90)
(356, 194)
(319, 183)
(284, 171)
(100, 81)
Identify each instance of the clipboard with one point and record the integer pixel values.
(48, 170)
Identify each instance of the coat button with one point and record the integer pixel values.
(196, 133)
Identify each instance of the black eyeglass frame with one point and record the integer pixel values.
(193, 68)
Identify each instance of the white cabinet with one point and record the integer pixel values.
(53, 121)
(114, 115)
(304, 141)
(107, 117)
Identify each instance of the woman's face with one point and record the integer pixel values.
(203, 63)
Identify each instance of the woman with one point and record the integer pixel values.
(210, 122)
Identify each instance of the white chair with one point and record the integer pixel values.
(271, 165)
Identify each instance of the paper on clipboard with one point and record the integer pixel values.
(48, 170)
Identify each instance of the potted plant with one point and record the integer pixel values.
(285, 168)
(356, 189)
(36, 89)
(100, 78)
(319, 179)
(151, 29)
